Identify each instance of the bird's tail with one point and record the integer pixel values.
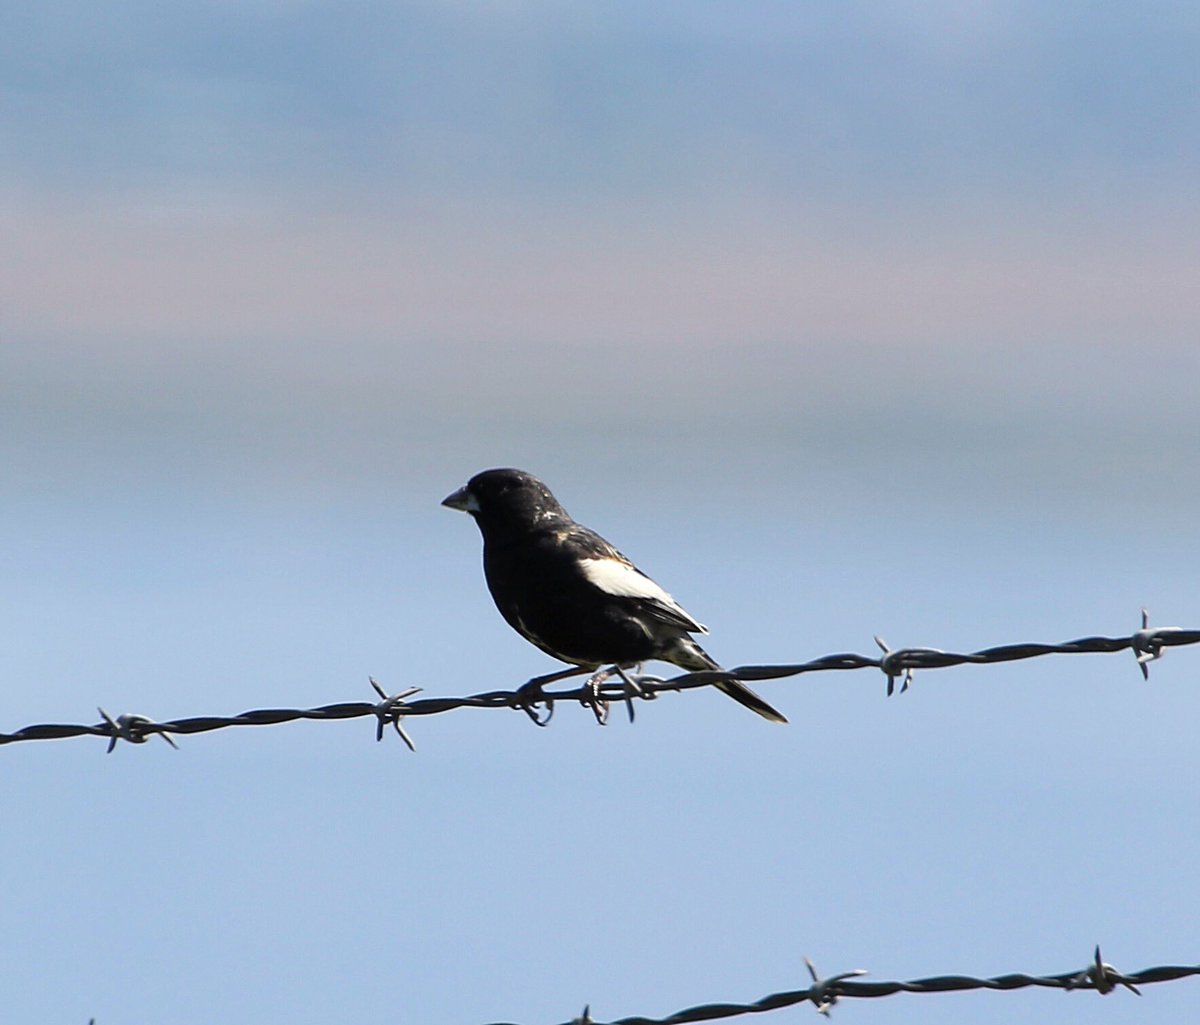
(687, 654)
(743, 695)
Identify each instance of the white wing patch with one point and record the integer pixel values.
(624, 581)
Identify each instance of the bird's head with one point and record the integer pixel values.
(505, 498)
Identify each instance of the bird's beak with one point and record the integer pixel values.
(461, 500)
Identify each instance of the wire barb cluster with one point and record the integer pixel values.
(824, 993)
(1147, 644)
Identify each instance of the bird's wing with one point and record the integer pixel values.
(613, 574)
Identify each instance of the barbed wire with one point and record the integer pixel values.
(824, 993)
(600, 692)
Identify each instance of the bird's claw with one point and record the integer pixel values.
(529, 696)
(632, 687)
(532, 694)
(590, 695)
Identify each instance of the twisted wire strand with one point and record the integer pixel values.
(1147, 644)
(824, 993)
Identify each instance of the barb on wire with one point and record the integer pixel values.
(1147, 643)
(600, 691)
(136, 729)
(390, 710)
(824, 993)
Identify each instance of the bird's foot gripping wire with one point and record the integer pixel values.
(591, 695)
(535, 702)
(632, 687)
(532, 694)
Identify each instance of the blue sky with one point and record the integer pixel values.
(619, 97)
(840, 319)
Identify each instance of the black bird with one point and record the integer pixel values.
(564, 588)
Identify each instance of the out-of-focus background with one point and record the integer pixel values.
(840, 319)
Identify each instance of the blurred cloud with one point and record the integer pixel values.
(683, 175)
(295, 227)
(683, 275)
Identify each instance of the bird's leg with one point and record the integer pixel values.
(530, 693)
(591, 693)
(631, 682)
(632, 687)
(538, 682)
